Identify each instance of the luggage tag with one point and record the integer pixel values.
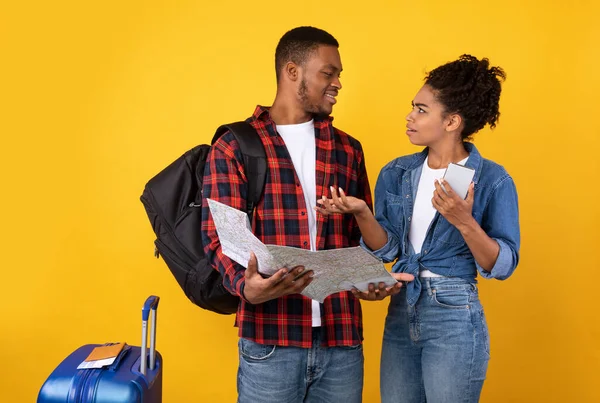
(102, 356)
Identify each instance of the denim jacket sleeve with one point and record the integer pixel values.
(390, 251)
(501, 223)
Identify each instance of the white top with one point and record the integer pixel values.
(300, 142)
(423, 210)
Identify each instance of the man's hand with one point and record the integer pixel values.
(258, 289)
(381, 291)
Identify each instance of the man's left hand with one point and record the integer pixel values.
(379, 292)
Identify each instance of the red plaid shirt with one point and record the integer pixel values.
(280, 218)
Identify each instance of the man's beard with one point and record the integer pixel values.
(308, 107)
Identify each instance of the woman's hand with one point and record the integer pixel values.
(341, 204)
(457, 211)
(372, 232)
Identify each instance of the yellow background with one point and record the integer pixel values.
(97, 97)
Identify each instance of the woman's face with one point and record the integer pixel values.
(426, 123)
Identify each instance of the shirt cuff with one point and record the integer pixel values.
(388, 252)
(240, 286)
(504, 265)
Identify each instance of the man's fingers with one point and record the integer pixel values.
(303, 282)
(374, 294)
(385, 291)
(295, 278)
(279, 276)
(381, 291)
(403, 276)
(296, 282)
(395, 289)
(252, 268)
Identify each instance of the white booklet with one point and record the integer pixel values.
(334, 269)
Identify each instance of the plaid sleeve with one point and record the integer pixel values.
(225, 182)
(364, 193)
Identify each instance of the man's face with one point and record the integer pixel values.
(320, 80)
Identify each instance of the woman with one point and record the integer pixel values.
(436, 344)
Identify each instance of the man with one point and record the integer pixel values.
(291, 348)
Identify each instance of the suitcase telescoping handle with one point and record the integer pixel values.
(149, 309)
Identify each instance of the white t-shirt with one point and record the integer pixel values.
(300, 142)
(423, 210)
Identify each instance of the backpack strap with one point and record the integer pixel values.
(255, 159)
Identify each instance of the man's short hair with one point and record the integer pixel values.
(297, 44)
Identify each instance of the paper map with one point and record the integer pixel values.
(334, 269)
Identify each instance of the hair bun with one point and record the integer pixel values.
(470, 87)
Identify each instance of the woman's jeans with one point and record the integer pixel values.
(436, 351)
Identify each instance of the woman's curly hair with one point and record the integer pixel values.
(471, 88)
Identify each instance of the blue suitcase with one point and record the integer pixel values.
(134, 376)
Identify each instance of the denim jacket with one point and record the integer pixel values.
(444, 250)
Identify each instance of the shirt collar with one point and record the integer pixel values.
(262, 113)
(475, 160)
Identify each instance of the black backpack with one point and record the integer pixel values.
(173, 200)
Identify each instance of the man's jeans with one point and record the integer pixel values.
(275, 374)
(437, 350)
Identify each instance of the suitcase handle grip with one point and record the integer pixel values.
(150, 306)
(151, 303)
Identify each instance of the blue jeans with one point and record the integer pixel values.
(437, 350)
(275, 374)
